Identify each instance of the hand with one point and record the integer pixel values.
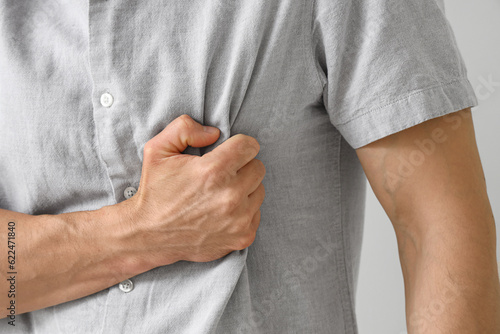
(186, 208)
(195, 208)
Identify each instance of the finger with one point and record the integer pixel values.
(256, 198)
(255, 221)
(181, 133)
(234, 153)
(250, 176)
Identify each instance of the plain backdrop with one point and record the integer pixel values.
(380, 295)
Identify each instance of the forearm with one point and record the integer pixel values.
(451, 280)
(447, 242)
(187, 208)
(430, 181)
(59, 258)
(447, 239)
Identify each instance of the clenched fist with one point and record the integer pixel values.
(195, 208)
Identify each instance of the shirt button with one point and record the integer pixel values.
(126, 286)
(106, 100)
(129, 192)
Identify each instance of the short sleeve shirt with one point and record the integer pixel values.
(85, 84)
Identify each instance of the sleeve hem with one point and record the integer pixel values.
(414, 109)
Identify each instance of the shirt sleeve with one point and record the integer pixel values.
(387, 65)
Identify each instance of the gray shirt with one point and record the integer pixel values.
(85, 84)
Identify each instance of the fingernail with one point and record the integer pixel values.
(209, 129)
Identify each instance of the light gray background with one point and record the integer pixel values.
(380, 295)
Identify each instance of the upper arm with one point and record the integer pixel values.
(429, 174)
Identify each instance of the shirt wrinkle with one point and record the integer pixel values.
(84, 85)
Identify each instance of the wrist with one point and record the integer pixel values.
(119, 233)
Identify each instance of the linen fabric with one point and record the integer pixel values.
(311, 80)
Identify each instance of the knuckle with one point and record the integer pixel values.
(255, 222)
(149, 151)
(149, 146)
(250, 141)
(185, 121)
(247, 240)
(262, 189)
(238, 142)
(254, 143)
(260, 167)
(231, 200)
(210, 170)
(215, 175)
(246, 142)
(240, 244)
(240, 137)
(246, 221)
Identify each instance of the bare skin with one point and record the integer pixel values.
(430, 181)
(437, 204)
(186, 208)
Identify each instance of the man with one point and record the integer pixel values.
(128, 216)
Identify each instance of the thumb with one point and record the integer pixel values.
(181, 133)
